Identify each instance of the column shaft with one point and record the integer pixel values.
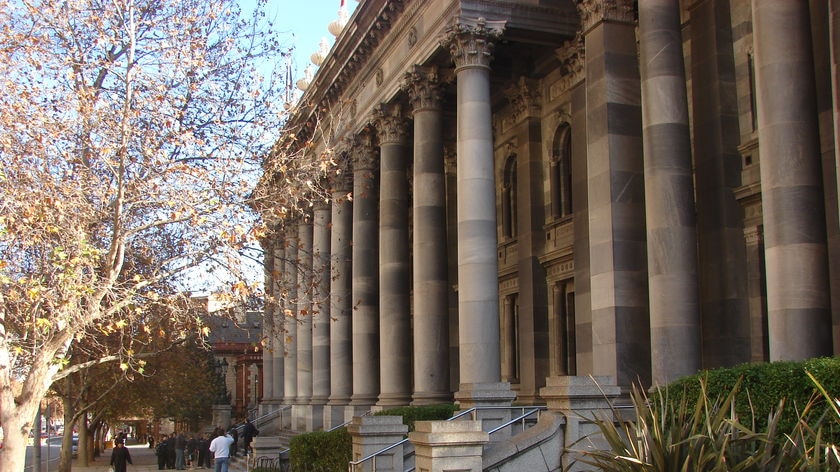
(290, 276)
(268, 321)
(321, 304)
(669, 195)
(365, 275)
(304, 321)
(394, 269)
(279, 315)
(430, 275)
(341, 354)
(791, 182)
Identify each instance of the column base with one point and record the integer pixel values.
(430, 398)
(393, 400)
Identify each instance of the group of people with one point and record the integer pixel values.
(179, 450)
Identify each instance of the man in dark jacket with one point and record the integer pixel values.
(248, 433)
(161, 452)
(120, 457)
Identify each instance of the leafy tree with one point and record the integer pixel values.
(130, 137)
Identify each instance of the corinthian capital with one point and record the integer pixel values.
(471, 41)
(363, 153)
(593, 12)
(425, 88)
(390, 124)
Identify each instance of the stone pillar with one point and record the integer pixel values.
(267, 246)
(365, 276)
(669, 195)
(799, 319)
(724, 294)
(320, 313)
(430, 277)
(341, 367)
(372, 434)
(471, 44)
(618, 269)
(394, 256)
(304, 313)
(290, 277)
(279, 316)
(441, 446)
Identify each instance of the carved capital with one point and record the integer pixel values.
(594, 12)
(390, 124)
(425, 88)
(363, 153)
(471, 41)
(524, 98)
(572, 57)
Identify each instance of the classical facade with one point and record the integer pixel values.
(549, 189)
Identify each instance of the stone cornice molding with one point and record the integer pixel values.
(471, 41)
(425, 88)
(362, 153)
(390, 124)
(572, 57)
(524, 98)
(595, 12)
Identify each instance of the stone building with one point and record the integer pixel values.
(551, 189)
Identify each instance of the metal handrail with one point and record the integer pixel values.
(367, 413)
(472, 412)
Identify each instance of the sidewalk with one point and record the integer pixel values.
(144, 460)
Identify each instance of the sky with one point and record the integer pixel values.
(302, 24)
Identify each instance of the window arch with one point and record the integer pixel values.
(509, 191)
(560, 175)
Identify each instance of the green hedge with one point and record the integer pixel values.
(762, 387)
(321, 451)
(413, 414)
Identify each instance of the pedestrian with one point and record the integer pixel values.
(180, 448)
(248, 433)
(235, 435)
(160, 452)
(120, 456)
(220, 447)
(170, 451)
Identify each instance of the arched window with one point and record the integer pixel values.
(561, 172)
(509, 198)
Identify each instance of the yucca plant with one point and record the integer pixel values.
(707, 435)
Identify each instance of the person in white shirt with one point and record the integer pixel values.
(220, 447)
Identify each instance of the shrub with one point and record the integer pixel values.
(412, 414)
(321, 451)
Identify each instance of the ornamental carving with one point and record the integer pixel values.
(594, 12)
(390, 124)
(363, 153)
(425, 90)
(524, 98)
(572, 59)
(471, 41)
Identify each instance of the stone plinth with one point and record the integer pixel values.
(221, 415)
(448, 445)
(372, 434)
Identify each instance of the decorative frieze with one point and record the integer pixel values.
(471, 41)
(390, 124)
(594, 12)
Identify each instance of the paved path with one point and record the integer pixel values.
(144, 460)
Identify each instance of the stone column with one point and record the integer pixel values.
(799, 320)
(669, 195)
(304, 313)
(618, 269)
(365, 276)
(290, 279)
(430, 277)
(394, 256)
(471, 45)
(267, 246)
(341, 367)
(320, 313)
(279, 315)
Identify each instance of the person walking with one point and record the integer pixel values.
(161, 453)
(248, 433)
(220, 447)
(120, 456)
(180, 448)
